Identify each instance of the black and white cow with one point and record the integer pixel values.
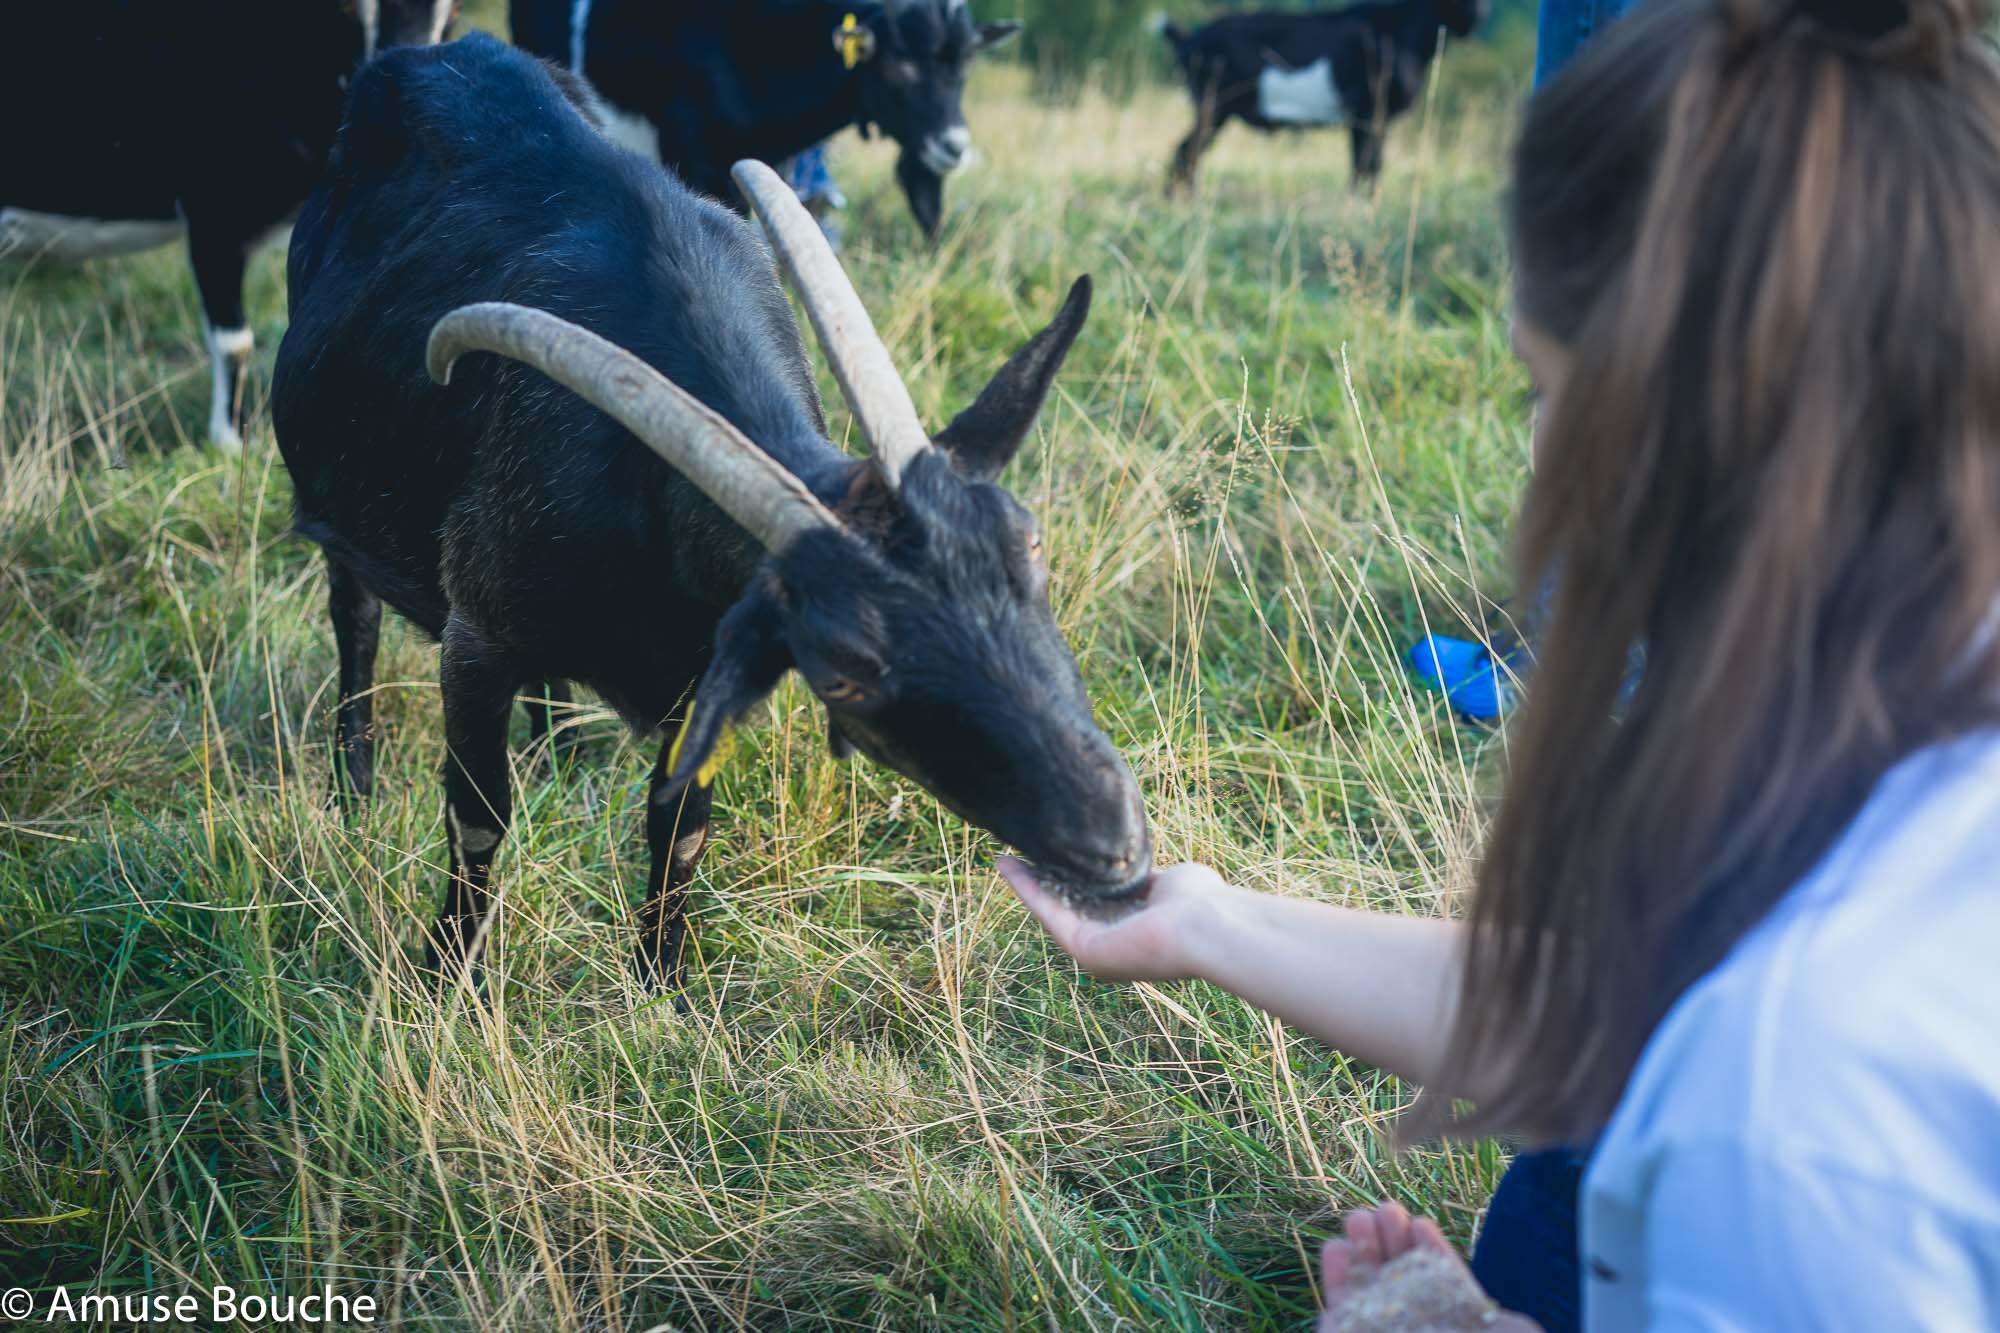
(1359, 67)
(699, 85)
(134, 123)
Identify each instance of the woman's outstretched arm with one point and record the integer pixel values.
(1378, 986)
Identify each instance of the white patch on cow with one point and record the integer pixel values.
(579, 21)
(27, 235)
(370, 13)
(228, 350)
(633, 132)
(231, 342)
(1300, 96)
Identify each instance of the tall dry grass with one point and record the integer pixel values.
(1287, 444)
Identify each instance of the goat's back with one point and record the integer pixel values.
(464, 173)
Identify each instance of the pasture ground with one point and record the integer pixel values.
(1289, 442)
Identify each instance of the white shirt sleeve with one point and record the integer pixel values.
(1739, 1241)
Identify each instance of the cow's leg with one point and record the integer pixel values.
(676, 832)
(545, 724)
(357, 629)
(478, 683)
(219, 254)
(1367, 154)
(1187, 157)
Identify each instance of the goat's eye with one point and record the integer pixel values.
(841, 690)
(1035, 548)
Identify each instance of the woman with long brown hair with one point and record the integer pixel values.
(1737, 936)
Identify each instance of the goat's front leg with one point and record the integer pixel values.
(357, 631)
(478, 683)
(676, 833)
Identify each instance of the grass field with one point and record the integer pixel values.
(1288, 442)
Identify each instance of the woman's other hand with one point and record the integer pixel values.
(1442, 1296)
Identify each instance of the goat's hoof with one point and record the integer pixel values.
(445, 973)
(661, 978)
(350, 793)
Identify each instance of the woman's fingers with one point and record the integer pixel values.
(1055, 916)
(1377, 1235)
(1392, 1226)
(1364, 1238)
(1069, 929)
(1336, 1268)
(1425, 1233)
(1154, 940)
(1336, 1275)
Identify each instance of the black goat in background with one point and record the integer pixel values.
(701, 85)
(650, 505)
(1361, 67)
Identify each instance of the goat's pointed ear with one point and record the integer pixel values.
(750, 659)
(983, 438)
(996, 34)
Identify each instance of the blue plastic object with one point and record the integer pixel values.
(1475, 682)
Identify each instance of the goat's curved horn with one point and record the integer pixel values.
(748, 484)
(867, 376)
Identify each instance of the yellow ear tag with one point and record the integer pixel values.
(850, 39)
(705, 775)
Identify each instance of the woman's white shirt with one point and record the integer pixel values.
(1811, 1139)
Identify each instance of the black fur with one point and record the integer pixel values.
(1378, 53)
(539, 541)
(761, 78)
(218, 113)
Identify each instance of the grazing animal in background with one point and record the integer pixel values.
(700, 85)
(133, 123)
(650, 505)
(1361, 67)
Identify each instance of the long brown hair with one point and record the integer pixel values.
(1769, 234)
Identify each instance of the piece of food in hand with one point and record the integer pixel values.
(1419, 1291)
(1101, 906)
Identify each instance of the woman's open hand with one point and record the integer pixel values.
(1377, 985)
(1163, 939)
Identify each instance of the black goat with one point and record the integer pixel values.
(701, 85)
(1361, 67)
(132, 123)
(536, 531)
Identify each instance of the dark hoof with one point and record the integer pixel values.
(350, 790)
(446, 971)
(661, 977)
